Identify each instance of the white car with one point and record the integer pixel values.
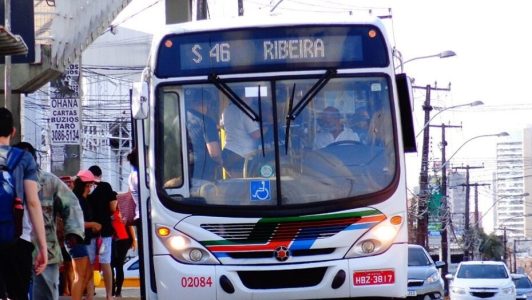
(481, 280)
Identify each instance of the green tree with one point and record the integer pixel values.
(491, 246)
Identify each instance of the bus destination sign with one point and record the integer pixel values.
(273, 49)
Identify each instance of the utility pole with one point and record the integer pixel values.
(423, 217)
(515, 252)
(504, 240)
(444, 215)
(476, 185)
(467, 235)
(476, 254)
(515, 255)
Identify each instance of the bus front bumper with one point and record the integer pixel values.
(384, 275)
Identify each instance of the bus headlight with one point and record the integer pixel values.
(184, 248)
(377, 239)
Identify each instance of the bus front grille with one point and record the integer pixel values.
(278, 279)
(270, 254)
(275, 231)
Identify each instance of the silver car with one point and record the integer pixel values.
(424, 280)
(523, 286)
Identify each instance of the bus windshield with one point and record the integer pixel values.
(275, 142)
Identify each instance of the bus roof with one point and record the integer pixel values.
(266, 21)
(262, 21)
(259, 22)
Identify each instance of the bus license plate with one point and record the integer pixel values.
(375, 277)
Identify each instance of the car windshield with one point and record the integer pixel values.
(523, 283)
(484, 271)
(417, 257)
(275, 142)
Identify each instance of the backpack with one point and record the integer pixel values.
(11, 206)
(127, 206)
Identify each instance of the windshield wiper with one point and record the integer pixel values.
(293, 113)
(289, 120)
(233, 97)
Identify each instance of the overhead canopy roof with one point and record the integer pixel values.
(11, 44)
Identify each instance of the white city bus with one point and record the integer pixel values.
(309, 200)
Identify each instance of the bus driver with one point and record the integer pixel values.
(332, 129)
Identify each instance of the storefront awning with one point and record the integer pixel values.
(11, 44)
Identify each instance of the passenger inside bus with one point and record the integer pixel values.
(241, 139)
(205, 154)
(332, 129)
(359, 123)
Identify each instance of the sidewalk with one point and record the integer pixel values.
(128, 293)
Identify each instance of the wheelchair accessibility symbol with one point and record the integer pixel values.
(259, 190)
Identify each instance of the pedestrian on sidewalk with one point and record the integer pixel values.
(56, 200)
(103, 202)
(83, 279)
(16, 250)
(123, 239)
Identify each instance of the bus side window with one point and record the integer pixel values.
(173, 164)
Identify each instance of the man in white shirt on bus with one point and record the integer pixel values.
(332, 129)
(241, 139)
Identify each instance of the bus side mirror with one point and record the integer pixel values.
(139, 101)
(404, 92)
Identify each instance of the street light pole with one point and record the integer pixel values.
(500, 134)
(444, 54)
(474, 103)
(526, 194)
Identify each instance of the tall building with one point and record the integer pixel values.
(509, 186)
(527, 173)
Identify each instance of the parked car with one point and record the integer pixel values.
(424, 279)
(523, 286)
(481, 279)
(131, 268)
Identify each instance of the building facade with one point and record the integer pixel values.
(509, 183)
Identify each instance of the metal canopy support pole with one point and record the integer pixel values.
(178, 11)
(7, 65)
(240, 7)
